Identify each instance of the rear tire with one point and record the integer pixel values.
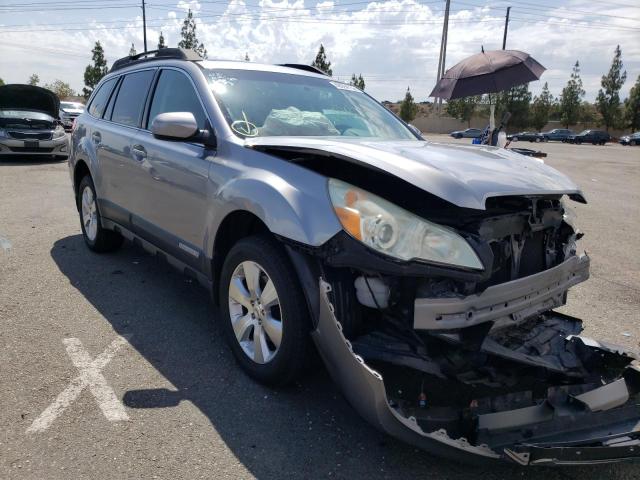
(282, 349)
(96, 237)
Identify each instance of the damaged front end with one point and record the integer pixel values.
(473, 364)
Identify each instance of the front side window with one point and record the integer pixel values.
(174, 93)
(277, 104)
(132, 94)
(99, 102)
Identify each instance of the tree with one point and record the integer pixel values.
(516, 101)
(321, 62)
(34, 79)
(571, 98)
(189, 38)
(357, 82)
(463, 108)
(589, 114)
(1, 82)
(246, 57)
(542, 105)
(632, 107)
(93, 73)
(608, 100)
(161, 43)
(61, 89)
(408, 108)
(132, 50)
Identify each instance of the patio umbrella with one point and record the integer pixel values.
(488, 72)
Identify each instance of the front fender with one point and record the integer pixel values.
(300, 211)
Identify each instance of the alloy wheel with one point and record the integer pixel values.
(89, 214)
(254, 308)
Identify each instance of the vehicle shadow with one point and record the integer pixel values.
(304, 431)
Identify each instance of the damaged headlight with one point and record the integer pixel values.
(394, 231)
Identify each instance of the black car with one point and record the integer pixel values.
(633, 139)
(557, 134)
(596, 137)
(531, 136)
(468, 133)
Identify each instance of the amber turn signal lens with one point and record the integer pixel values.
(350, 220)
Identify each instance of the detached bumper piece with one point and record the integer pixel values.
(506, 303)
(536, 394)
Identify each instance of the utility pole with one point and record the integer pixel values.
(144, 26)
(443, 50)
(506, 26)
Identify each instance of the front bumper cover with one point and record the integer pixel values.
(365, 390)
(58, 147)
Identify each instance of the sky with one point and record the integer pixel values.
(393, 44)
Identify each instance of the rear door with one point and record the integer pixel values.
(175, 174)
(120, 162)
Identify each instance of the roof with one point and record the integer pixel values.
(193, 56)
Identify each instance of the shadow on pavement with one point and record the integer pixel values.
(17, 160)
(304, 431)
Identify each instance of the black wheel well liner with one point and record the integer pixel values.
(79, 172)
(235, 226)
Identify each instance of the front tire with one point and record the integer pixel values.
(97, 238)
(514, 139)
(264, 312)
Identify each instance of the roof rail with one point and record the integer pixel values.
(164, 53)
(302, 66)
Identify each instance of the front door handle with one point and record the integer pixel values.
(138, 152)
(96, 137)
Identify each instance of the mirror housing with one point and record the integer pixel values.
(182, 126)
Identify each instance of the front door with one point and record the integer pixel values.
(175, 174)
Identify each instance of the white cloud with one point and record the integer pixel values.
(394, 44)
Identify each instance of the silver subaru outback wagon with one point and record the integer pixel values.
(426, 275)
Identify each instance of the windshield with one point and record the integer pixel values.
(259, 104)
(584, 132)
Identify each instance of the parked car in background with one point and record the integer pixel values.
(633, 139)
(29, 123)
(68, 112)
(596, 137)
(468, 133)
(524, 136)
(426, 274)
(557, 134)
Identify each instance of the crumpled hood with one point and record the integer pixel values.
(465, 175)
(29, 97)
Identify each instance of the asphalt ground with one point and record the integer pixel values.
(123, 337)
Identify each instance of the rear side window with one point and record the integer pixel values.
(132, 94)
(99, 102)
(175, 93)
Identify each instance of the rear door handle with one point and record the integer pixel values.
(138, 152)
(96, 137)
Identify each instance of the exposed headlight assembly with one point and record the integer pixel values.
(59, 132)
(394, 231)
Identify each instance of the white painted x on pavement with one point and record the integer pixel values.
(91, 377)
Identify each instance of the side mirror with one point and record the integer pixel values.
(174, 125)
